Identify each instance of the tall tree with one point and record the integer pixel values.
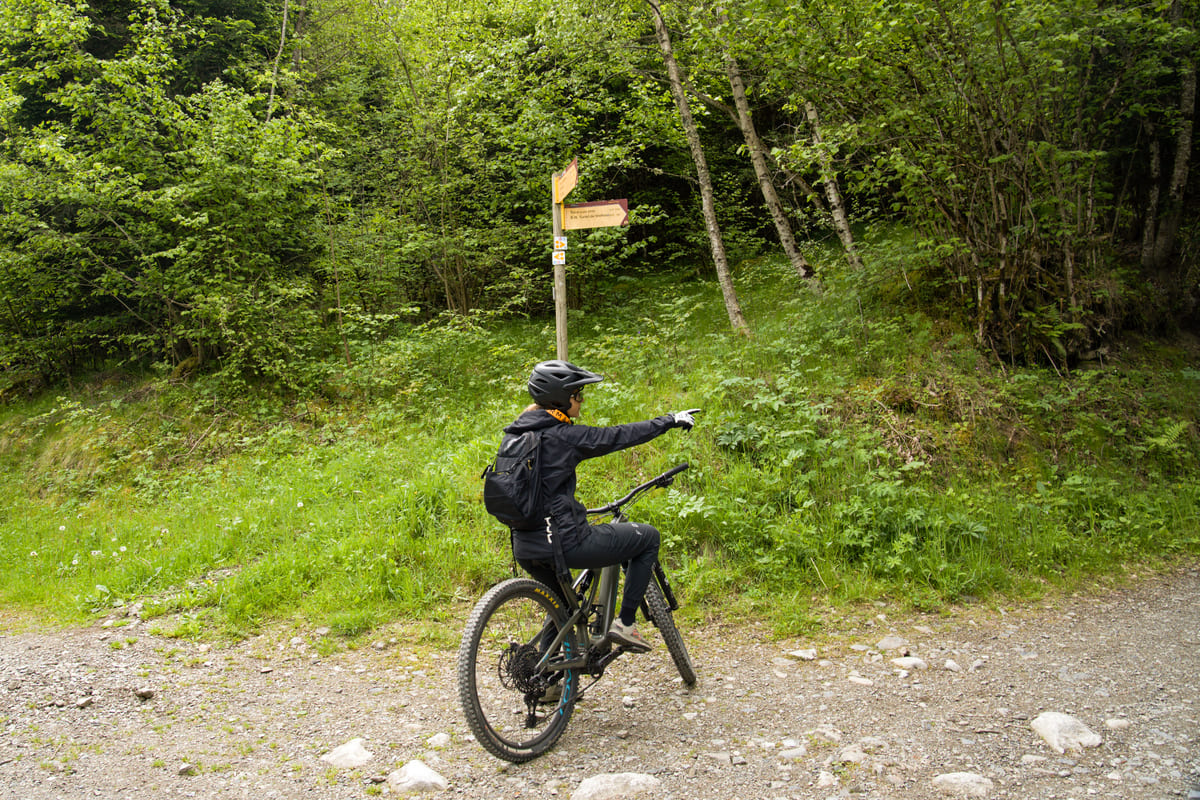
(724, 277)
(1161, 230)
(833, 193)
(758, 157)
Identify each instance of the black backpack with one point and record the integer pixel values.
(512, 485)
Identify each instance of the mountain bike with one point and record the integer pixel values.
(525, 654)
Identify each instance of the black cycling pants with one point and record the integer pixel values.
(603, 545)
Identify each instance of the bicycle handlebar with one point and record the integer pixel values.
(661, 482)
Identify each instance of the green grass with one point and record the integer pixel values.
(853, 450)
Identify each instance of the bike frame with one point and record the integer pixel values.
(590, 618)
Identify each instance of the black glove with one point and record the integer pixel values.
(683, 419)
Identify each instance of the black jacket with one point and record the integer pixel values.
(563, 446)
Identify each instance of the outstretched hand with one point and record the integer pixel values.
(684, 419)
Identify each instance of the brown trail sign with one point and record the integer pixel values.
(597, 214)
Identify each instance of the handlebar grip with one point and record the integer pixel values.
(668, 477)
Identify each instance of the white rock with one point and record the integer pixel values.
(890, 642)
(852, 754)
(793, 753)
(614, 786)
(349, 755)
(964, 784)
(808, 654)
(438, 741)
(827, 733)
(1116, 724)
(910, 662)
(826, 780)
(952, 665)
(416, 777)
(872, 744)
(861, 681)
(1063, 732)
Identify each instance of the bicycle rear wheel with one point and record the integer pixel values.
(660, 614)
(510, 706)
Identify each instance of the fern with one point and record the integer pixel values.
(1168, 440)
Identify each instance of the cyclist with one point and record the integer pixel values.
(567, 540)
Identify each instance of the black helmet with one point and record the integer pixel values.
(553, 382)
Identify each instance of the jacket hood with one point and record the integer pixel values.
(537, 419)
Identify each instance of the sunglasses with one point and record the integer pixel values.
(577, 395)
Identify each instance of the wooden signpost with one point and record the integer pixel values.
(599, 214)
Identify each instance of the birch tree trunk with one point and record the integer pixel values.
(724, 277)
(758, 157)
(832, 193)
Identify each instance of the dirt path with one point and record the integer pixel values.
(253, 720)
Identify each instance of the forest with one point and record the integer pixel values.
(254, 189)
(273, 274)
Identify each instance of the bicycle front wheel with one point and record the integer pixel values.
(660, 614)
(516, 711)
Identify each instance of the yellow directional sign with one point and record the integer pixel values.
(565, 181)
(600, 214)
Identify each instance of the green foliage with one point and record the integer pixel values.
(842, 454)
(146, 224)
(188, 186)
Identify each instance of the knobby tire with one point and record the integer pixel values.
(500, 644)
(660, 614)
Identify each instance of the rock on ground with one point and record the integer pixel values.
(416, 776)
(616, 786)
(1063, 732)
(964, 784)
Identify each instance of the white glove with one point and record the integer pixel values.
(683, 419)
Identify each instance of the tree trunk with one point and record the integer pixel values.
(832, 192)
(734, 309)
(1168, 226)
(758, 157)
(283, 30)
(1150, 227)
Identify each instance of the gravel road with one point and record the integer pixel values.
(117, 712)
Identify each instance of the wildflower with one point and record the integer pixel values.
(62, 527)
(300, 504)
(33, 553)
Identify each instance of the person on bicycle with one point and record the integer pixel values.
(568, 540)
